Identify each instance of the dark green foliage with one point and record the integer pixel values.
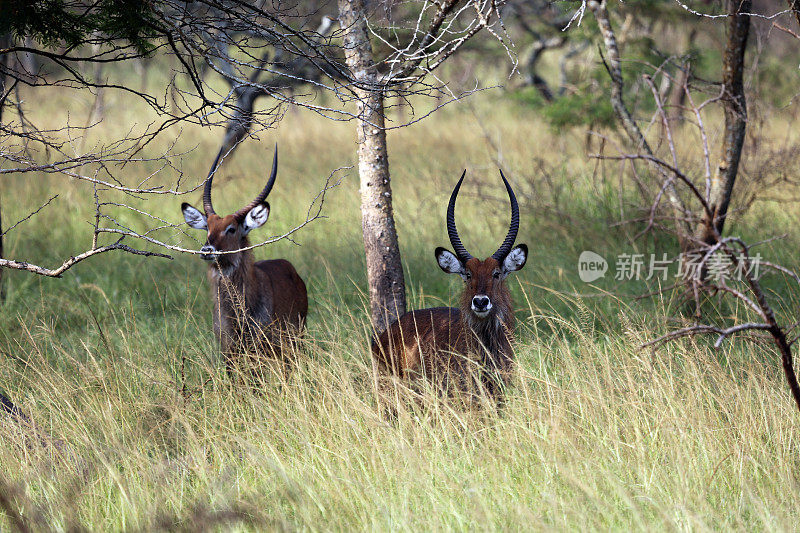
(73, 23)
(584, 108)
(775, 83)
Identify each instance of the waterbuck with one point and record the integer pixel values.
(259, 306)
(468, 347)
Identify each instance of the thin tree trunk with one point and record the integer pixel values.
(794, 5)
(532, 77)
(99, 105)
(2, 287)
(733, 100)
(677, 96)
(387, 293)
(4, 59)
(598, 9)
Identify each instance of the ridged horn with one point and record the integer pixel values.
(452, 232)
(502, 252)
(241, 213)
(207, 206)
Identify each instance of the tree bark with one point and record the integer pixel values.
(387, 294)
(2, 287)
(532, 78)
(677, 95)
(4, 60)
(600, 12)
(794, 5)
(735, 106)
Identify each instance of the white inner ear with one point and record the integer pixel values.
(256, 218)
(514, 260)
(450, 263)
(194, 218)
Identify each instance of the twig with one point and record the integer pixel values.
(72, 261)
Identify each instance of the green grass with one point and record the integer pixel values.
(117, 360)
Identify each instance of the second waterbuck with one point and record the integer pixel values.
(259, 306)
(468, 348)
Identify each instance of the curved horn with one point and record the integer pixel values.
(502, 252)
(452, 232)
(207, 206)
(241, 213)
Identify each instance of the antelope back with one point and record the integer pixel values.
(403, 348)
(289, 294)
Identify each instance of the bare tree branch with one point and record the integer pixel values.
(72, 261)
(598, 8)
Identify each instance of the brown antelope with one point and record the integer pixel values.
(256, 304)
(453, 346)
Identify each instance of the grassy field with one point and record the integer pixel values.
(118, 364)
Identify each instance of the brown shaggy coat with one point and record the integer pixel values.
(259, 307)
(453, 347)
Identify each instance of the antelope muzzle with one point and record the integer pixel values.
(481, 305)
(208, 253)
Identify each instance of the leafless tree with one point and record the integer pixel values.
(543, 22)
(629, 125)
(735, 273)
(295, 55)
(737, 276)
(755, 300)
(735, 107)
(434, 32)
(107, 168)
(731, 97)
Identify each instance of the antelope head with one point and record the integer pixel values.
(229, 233)
(485, 293)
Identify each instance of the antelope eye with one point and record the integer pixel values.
(230, 230)
(496, 274)
(468, 275)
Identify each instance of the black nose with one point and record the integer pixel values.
(480, 302)
(206, 251)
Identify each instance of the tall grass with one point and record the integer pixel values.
(117, 366)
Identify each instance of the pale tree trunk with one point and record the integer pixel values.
(677, 95)
(614, 66)
(387, 294)
(2, 287)
(5, 41)
(794, 5)
(733, 99)
(98, 107)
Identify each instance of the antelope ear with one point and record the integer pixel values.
(256, 217)
(193, 217)
(449, 262)
(515, 259)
